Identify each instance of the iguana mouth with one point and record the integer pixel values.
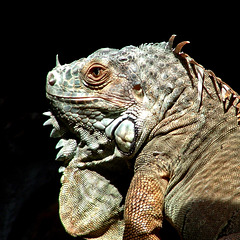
(89, 99)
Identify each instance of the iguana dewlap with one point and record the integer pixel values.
(154, 109)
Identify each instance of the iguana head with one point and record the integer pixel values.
(112, 99)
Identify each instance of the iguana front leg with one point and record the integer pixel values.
(144, 204)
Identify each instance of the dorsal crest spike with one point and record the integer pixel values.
(57, 61)
(170, 41)
(179, 47)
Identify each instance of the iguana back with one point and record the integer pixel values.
(151, 108)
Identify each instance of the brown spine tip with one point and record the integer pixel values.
(179, 47)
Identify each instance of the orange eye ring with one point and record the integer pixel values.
(97, 75)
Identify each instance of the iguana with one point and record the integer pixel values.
(147, 134)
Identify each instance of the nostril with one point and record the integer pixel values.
(51, 79)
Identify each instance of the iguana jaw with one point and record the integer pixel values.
(107, 135)
(104, 101)
(98, 139)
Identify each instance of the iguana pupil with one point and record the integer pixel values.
(96, 71)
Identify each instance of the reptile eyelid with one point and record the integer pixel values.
(99, 78)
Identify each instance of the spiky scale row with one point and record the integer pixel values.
(227, 93)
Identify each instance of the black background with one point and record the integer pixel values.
(32, 35)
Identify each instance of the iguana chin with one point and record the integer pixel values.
(155, 109)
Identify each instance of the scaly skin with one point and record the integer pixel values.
(155, 110)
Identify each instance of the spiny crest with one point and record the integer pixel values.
(223, 90)
(155, 47)
(227, 93)
(164, 46)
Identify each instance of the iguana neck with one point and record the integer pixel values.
(188, 114)
(187, 129)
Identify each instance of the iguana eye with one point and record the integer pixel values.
(95, 72)
(97, 75)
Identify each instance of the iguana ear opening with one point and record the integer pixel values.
(138, 92)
